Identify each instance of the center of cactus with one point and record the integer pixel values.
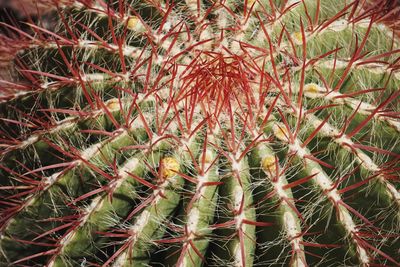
(219, 79)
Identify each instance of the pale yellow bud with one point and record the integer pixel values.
(169, 167)
(297, 38)
(113, 104)
(134, 24)
(311, 87)
(250, 3)
(312, 90)
(281, 132)
(268, 164)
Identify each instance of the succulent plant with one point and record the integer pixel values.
(214, 133)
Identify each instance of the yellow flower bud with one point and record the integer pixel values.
(169, 167)
(134, 24)
(311, 87)
(113, 104)
(268, 164)
(281, 132)
(297, 38)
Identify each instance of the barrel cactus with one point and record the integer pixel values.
(214, 133)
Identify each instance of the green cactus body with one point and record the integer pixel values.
(203, 133)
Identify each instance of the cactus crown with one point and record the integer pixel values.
(189, 133)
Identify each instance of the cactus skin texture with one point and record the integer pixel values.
(202, 133)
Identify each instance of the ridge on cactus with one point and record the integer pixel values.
(202, 133)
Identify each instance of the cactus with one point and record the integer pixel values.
(214, 133)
